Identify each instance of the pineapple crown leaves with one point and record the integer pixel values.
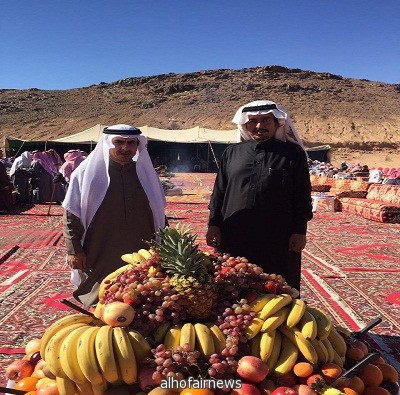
(178, 252)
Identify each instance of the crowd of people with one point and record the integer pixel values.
(383, 175)
(36, 176)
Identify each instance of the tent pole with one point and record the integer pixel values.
(215, 159)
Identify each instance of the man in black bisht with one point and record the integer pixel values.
(261, 201)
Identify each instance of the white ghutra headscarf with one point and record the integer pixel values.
(90, 180)
(285, 131)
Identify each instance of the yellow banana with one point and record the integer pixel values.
(255, 345)
(140, 345)
(62, 323)
(65, 386)
(133, 259)
(266, 345)
(337, 342)
(287, 357)
(308, 326)
(188, 335)
(254, 327)
(297, 310)
(87, 359)
(276, 351)
(52, 352)
(105, 354)
(84, 388)
(99, 389)
(275, 305)
(324, 323)
(219, 338)
(322, 352)
(337, 358)
(305, 347)
(205, 340)
(258, 304)
(125, 355)
(146, 254)
(275, 320)
(172, 337)
(329, 348)
(158, 334)
(69, 357)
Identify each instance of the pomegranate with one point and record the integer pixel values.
(246, 389)
(252, 369)
(118, 314)
(19, 369)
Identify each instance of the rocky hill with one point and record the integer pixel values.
(348, 114)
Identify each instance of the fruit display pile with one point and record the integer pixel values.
(175, 316)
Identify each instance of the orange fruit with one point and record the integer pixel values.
(197, 391)
(26, 384)
(389, 372)
(355, 354)
(30, 393)
(303, 369)
(371, 375)
(331, 370)
(376, 391)
(357, 384)
(349, 391)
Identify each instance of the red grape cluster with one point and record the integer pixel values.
(222, 366)
(179, 363)
(150, 293)
(238, 278)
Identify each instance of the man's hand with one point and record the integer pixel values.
(297, 242)
(77, 261)
(213, 236)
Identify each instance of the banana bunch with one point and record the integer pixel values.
(137, 258)
(286, 330)
(205, 337)
(87, 358)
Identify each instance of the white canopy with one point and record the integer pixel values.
(193, 135)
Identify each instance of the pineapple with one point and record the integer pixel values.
(188, 269)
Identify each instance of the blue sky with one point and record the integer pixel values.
(64, 44)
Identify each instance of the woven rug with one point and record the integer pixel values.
(350, 269)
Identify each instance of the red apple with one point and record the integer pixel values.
(304, 390)
(32, 346)
(252, 369)
(19, 369)
(246, 389)
(284, 391)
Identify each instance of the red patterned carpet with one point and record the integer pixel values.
(350, 268)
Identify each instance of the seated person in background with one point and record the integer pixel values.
(393, 178)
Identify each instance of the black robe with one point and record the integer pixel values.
(261, 196)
